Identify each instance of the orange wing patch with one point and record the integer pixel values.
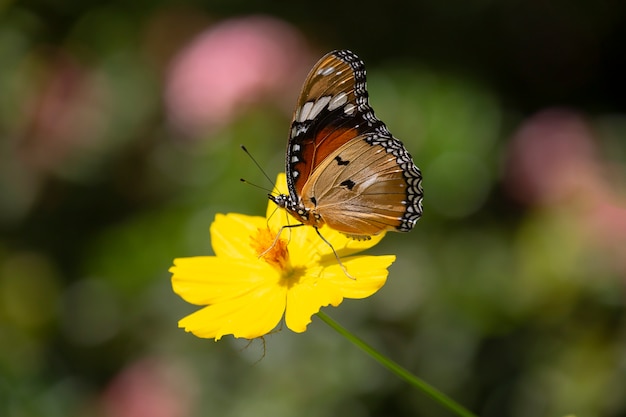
(317, 149)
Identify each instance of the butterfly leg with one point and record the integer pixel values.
(345, 271)
(277, 237)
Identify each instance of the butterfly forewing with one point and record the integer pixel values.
(344, 168)
(323, 117)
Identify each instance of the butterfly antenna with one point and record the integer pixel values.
(345, 271)
(258, 166)
(245, 181)
(271, 215)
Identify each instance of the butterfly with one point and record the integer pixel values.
(344, 168)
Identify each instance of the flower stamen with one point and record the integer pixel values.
(272, 249)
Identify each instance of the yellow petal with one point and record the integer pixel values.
(281, 183)
(231, 234)
(369, 272)
(275, 215)
(332, 286)
(306, 247)
(306, 298)
(346, 246)
(248, 317)
(208, 279)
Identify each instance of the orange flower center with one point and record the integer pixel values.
(272, 249)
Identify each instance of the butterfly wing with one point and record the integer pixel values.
(342, 162)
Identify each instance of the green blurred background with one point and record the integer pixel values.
(120, 126)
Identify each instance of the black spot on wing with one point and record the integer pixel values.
(349, 184)
(341, 161)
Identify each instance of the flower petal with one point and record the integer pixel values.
(281, 183)
(231, 234)
(278, 218)
(330, 288)
(206, 280)
(370, 273)
(247, 317)
(306, 298)
(346, 246)
(308, 248)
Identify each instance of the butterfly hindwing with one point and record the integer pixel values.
(358, 191)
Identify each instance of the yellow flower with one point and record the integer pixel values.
(255, 277)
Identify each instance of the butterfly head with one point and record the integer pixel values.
(299, 211)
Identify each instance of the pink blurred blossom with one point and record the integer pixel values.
(150, 387)
(552, 157)
(231, 65)
(554, 163)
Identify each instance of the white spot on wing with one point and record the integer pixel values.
(326, 71)
(319, 105)
(303, 113)
(349, 109)
(338, 101)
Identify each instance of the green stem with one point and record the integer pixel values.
(435, 394)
